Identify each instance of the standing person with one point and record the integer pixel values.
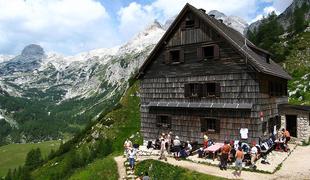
(163, 149)
(205, 140)
(177, 147)
(253, 154)
(224, 156)
(169, 139)
(132, 155)
(239, 158)
(127, 146)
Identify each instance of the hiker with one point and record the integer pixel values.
(127, 145)
(239, 158)
(132, 155)
(253, 154)
(286, 135)
(163, 149)
(224, 156)
(177, 147)
(205, 140)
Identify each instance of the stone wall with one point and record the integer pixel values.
(303, 125)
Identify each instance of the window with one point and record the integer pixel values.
(175, 56)
(277, 88)
(210, 125)
(202, 90)
(193, 90)
(208, 52)
(189, 24)
(210, 88)
(163, 121)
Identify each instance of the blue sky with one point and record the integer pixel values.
(73, 26)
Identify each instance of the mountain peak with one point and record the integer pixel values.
(33, 50)
(217, 14)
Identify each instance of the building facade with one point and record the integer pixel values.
(203, 76)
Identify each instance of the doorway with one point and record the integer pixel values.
(291, 124)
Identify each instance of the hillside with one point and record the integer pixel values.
(87, 153)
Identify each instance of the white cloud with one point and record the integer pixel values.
(135, 16)
(56, 24)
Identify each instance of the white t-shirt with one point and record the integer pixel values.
(254, 150)
(177, 142)
(132, 154)
(244, 133)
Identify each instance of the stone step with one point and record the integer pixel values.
(130, 172)
(132, 176)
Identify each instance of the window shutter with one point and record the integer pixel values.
(186, 90)
(200, 90)
(217, 125)
(217, 89)
(182, 55)
(167, 57)
(200, 53)
(216, 53)
(204, 90)
(196, 23)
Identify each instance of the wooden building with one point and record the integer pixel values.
(203, 76)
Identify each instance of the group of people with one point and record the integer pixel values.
(172, 144)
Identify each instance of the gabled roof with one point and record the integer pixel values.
(236, 39)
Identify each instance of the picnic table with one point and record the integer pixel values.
(214, 149)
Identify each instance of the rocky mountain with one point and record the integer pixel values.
(38, 87)
(234, 22)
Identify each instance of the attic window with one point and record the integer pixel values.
(189, 24)
(175, 56)
(208, 52)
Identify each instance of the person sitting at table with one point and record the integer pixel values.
(188, 148)
(224, 156)
(280, 141)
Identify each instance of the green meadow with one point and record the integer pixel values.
(13, 155)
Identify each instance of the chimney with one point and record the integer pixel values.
(202, 10)
(220, 20)
(212, 15)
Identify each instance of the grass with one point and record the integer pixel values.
(100, 168)
(160, 170)
(13, 155)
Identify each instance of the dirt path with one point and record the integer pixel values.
(120, 166)
(296, 166)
